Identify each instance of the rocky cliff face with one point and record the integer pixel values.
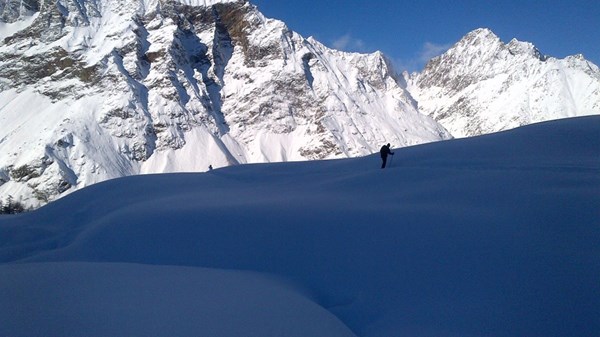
(93, 90)
(14, 10)
(483, 85)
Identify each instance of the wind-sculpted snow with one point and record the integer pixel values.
(495, 236)
(163, 301)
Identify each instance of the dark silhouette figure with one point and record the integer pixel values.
(385, 150)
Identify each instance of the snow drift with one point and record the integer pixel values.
(497, 235)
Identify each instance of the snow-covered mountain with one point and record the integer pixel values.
(496, 236)
(93, 90)
(483, 85)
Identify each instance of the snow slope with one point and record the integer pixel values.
(497, 235)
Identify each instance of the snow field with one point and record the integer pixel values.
(495, 235)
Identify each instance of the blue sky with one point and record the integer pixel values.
(411, 32)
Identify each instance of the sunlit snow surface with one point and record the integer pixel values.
(496, 235)
(8, 29)
(202, 101)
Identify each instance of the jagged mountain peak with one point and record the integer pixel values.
(478, 49)
(474, 42)
(517, 47)
(127, 87)
(80, 12)
(483, 85)
(478, 37)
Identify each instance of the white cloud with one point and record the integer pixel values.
(428, 51)
(431, 50)
(348, 43)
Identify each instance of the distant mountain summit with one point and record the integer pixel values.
(93, 90)
(483, 85)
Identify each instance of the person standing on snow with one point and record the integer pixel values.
(385, 150)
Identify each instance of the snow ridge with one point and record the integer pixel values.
(482, 85)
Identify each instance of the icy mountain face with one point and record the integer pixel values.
(93, 90)
(483, 85)
(13, 10)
